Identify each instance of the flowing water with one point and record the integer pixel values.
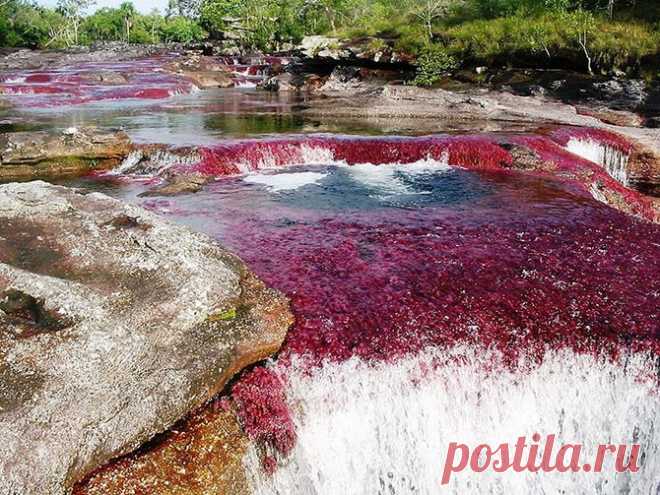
(435, 304)
(439, 296)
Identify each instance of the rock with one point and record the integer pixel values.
(178, 185)
(625, 93)
(344, 74)
(271, 84)
(116, 324)
(204, 71)
(104, 77)
(536, 90)
(372, 49)
(438, 98)
(344, 78)
(155, 159)
(526, 159)
(209, 79)
(368, 51)
(323, 46)
(229, 49)
(652, 123)
(315, 82)
(100, 52)
(643, 170)
(25, 155)
(614, 117)
(202, 456)
(557, 84)
(285, 81)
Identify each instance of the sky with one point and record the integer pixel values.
(144, 6)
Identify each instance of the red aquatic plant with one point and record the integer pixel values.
(261, 403)
(531, 263)
(474, 152)
(587, 173)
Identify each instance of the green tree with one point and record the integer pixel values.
(25, 24)
(73, 11)
(581, 25)
(128, 14)
(182, 30)
(105, 24)
(428, 11)
(433, 62)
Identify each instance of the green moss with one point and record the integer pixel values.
(226, 315)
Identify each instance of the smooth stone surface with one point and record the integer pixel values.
(27, 155)
(114, 325)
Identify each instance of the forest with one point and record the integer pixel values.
(590, 35)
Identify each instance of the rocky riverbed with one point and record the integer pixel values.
(402, 223)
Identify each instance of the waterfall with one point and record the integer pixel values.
(384, 428)
(154, 163)
(259, 158)
(239, 157)
(611, 159)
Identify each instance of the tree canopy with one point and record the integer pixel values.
(590, 34)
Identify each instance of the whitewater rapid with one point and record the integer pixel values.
(384, 428)
(612, 160)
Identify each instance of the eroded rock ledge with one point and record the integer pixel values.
(114, 324)
(28, 155)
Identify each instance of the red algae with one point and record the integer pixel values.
(475, 152)
(529, 263)
(38, 78)
(261, 403)
(139, 79)
(534, 263)
(391, 285)
(144, 79)
(587, 173)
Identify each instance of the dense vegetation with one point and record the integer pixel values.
(591, 35)
(27, 24)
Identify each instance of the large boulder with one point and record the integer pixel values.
(205, 79)
(105, 77)
(286, 81)
(367, 49)
(324, 46)
(621, 93)
(114, 324)
(202, 455)
(205, 72)
(26, 155)
(643, 170)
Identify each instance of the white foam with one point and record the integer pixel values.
(385, 428)
(383, 179)
(285, 181)
(153, 164)
(388, 179)
(129, 163)
(245, 84)
(612, 160)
